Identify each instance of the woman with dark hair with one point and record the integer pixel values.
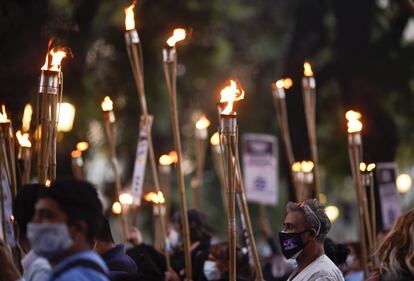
(200, 239)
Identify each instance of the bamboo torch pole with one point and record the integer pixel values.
(219, 166)
(109, 120)
(355, 157)
(228, 138)
(135, 57)
(170, 71)
(201, 135)
(279, 99)
(309, 100)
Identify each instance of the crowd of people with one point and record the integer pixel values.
(63, 235)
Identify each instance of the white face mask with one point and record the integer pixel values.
(48, 240)
(211, 271)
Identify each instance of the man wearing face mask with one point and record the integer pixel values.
(66, 220)
(305, 228)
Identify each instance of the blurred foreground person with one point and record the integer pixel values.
(35, 268)
(396, 252)
(200, 238)
(354, 271)
(217, 265)
(305, 228)
(120, 265)
(66, 220)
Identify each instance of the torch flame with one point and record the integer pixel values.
(354, 124)
(155, 198)
(230, 94)
(116, 208)
(27, 117)
(371, 167)
(107, 104)
(76, 154)
(173, 155)
(307, 69)
(129, 17)
(215, 139)
(23, 139)
(82, 145)
(362, 166)
(283, 83)
(126, 199)
(179, 34)
(202, 123)
(297, 167)
(3, 116)
(165, 160)
(307, 166)
(58, 54)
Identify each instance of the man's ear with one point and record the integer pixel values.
(313, 233)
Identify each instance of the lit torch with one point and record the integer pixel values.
(77, 160)
(7, 150)
(50, 94)
(109, 120)
(354, 125)
(170, 71)
(201, 134)
(229, 142)
(25, 155)
(309, 101)
(165, 163)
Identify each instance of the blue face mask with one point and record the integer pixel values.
(211, 271)
(49, 240)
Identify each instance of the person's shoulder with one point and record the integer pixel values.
(81, 274)
(326, 270)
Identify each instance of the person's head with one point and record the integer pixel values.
(66, 220)
(23, 211)
(396, 252)
(217, 265)
(305, 228)
(200, 230)
(103, 239)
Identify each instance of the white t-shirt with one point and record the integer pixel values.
(321, 269)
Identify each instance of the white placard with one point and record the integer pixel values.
(7, 199)
(140, 159)
(389, 199)
(260, 162)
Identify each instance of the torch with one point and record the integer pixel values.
(165, 163)
(77, 159)
(355, 156)
(170, 71)
(309, 100)
(229, 141)
(279, 99)
(24, 155)
(109, 121)
(8, 151)
(368, 192)
(219, 165)
(201, 135)
(50, 94)
(303, 175)
(135, 57)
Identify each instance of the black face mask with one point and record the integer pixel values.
(291, 243)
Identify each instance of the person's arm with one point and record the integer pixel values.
(8, 270)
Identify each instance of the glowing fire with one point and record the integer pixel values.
(297, 167)
(23, 139)
(307, 69)
(82, 146)
(230, 94)
(371, 167)
(165, 160)
(155, 198)
(76, 154)
(3, 115)
(107, 104)
(283, 83)
(27, 117)
(129, 17)
(126, 199)
(117, 208)
(179, 34)
(354, 124)
(307, 166)
(58, 54)
(215, 139)
(202, 123)
(173, 155)
(362, 166)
